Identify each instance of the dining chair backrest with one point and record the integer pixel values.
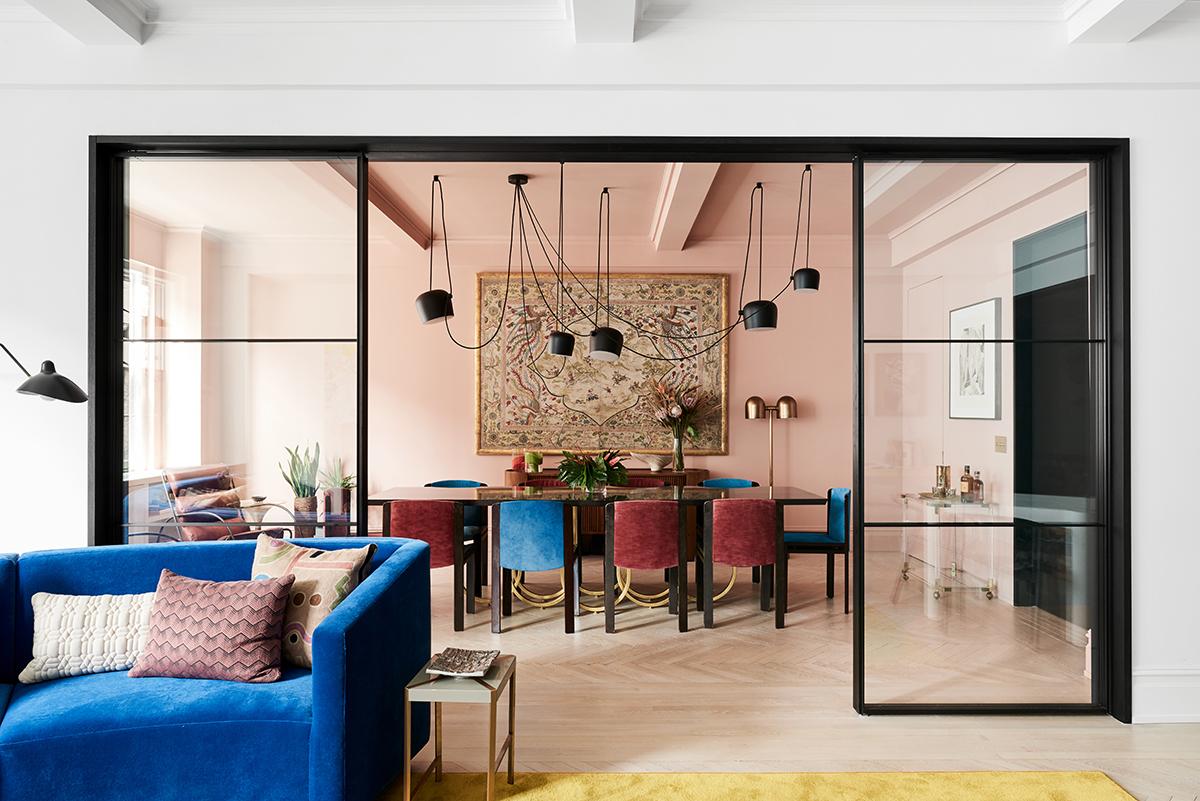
(728, 483)
(430, 521)
(645, 534)
(743, 531)
(837, 521)
(543, 482)
(644, 481)
(472, 515)
(531, 535)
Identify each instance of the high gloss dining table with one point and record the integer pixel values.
(574, 499)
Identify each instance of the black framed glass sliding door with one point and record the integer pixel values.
(239, 348)
(984, 421)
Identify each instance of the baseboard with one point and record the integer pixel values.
(1166, 694)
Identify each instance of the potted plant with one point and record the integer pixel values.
(533, 461)
(680, 411)
(338, 485)
(589, 473)
(301, 475)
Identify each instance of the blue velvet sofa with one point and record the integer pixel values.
(330, 734)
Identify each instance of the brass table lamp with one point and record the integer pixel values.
(785, 409)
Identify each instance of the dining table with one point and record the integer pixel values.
(573, 499)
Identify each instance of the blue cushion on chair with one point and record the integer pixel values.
(728, 483)
(213, 734)
(835, 523)
(808, 538)
(531, 535)
(473, 516)
(5, 693)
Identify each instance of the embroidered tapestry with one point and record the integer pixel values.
(530, 399)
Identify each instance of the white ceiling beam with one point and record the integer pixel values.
(97, 22)
(1114, 20)
(341, 179)
(604, 21)
(684, 188)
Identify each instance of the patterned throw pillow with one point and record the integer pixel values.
(214, 629)
(323, 580)
(74, 635)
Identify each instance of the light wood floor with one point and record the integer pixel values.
(747, 697)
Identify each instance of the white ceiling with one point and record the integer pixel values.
(651, 15)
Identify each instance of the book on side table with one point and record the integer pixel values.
(462, 663)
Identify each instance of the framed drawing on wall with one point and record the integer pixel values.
(529, 399)
(974, 369)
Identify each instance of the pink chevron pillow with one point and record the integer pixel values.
(215, 629)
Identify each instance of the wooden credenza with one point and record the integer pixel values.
(592, 518)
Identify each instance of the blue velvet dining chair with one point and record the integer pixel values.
(835, 539)
(533, 536)
(475, 525)
(728, 483)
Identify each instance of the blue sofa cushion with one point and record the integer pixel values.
(136, 568)
(5, 694)
(201, 736)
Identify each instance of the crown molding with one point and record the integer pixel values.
(350, 13)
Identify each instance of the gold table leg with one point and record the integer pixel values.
(437, 741)
(512, 722)
(407, 747)
(491, 774)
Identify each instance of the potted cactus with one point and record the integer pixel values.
(338, 486)
(300, 473)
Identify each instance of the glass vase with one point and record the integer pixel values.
(678, 453)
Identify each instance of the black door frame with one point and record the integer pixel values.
(1108, 158)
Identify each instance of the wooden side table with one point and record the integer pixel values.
(440, 690)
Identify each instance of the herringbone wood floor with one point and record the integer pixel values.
(747, 697)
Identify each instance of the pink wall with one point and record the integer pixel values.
(423, 387)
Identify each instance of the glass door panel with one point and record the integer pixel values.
(239, 342)
(982, 387)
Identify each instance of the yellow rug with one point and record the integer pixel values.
(989, 786)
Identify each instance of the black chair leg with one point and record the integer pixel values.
(699, 581)
(829, 575)
(483, 561)
(846, 579)
(672, 589)
(505, 592)
(471, 589)
(764, 587)
(755, 574)
(578, 580)
(610, 592)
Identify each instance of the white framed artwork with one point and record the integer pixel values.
(974, 369)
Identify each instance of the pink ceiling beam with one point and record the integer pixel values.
(684, 189)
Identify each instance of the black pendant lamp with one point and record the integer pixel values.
(436, 305)
(806, 279)
(606, 342)
(562, 343)
(48, 383)
(758, 315)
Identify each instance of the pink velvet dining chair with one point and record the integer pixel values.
(440, 523)
(745, 532)
(645, 535)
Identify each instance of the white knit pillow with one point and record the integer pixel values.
(78, 634)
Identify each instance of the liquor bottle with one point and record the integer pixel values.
(965, 483)
(978, 488)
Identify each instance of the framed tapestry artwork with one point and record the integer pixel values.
(529, 399)
(975, 365)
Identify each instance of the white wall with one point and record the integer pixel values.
(43, 219)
